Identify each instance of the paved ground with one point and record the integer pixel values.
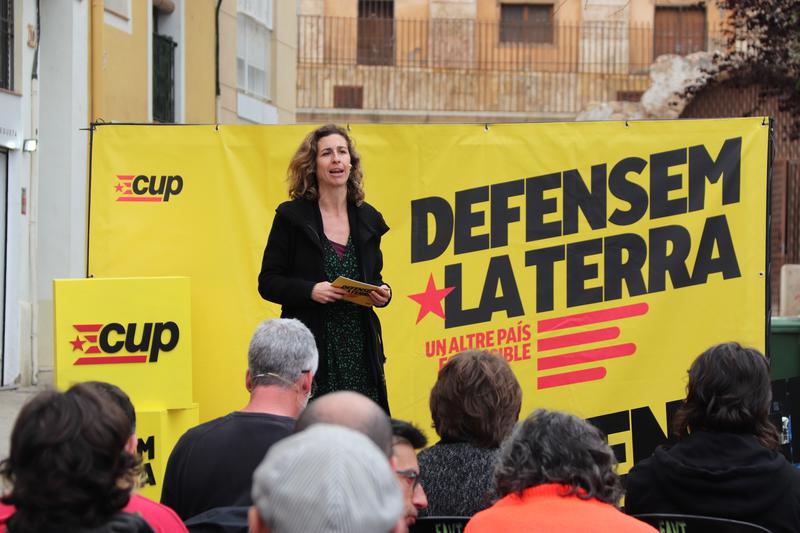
(11, 401)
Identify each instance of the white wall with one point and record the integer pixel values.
(63, 157)
(17, 353)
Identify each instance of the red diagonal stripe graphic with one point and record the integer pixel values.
(124, 178)
(112, 360)
(574, 339)
(90, 338)
(87, 328)
(586, 356)
(592, 317)
(92, 349)
(140, 199)
(570, 378)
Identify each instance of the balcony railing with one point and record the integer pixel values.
(464, 65)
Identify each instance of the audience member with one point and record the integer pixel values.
(725, 462)
(352, 410)
(474, 404)
(358, 412)
(344, 408)
(406, 439)
(556, 473)
(325, 479)
(68, 468)
(212, 464)
(160, 517)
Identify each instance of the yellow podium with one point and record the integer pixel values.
(135, 333)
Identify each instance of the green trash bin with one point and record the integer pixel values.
(784, 347)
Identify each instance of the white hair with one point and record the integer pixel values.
(284, 347)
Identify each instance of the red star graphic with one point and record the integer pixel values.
(77, 344)
(430, 301)
(118, 187)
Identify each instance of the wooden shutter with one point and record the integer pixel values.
(679, 30)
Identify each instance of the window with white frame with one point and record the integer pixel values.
(253, 47)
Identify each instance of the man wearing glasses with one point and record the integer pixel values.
(212, 464)
(406, 439)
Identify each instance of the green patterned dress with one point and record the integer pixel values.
(345, 338)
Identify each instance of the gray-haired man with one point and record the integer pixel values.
(212, 464)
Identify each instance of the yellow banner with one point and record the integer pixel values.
(598, 258)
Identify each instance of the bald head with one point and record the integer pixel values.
(351, 410)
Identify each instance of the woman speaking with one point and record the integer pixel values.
(325, 231)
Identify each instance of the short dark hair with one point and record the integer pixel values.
(67, 464)
(475, 399)
(119, 397)
(729, 391)
(554, 447)
(407, 432)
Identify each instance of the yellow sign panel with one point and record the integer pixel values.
(598, 258)
(157, 433)
(134, 333)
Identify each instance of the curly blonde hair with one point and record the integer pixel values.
(302, 173)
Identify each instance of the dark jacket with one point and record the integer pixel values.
(724, 475)
(293, 264)
(220, 520)
(457, 478)
(120, 522)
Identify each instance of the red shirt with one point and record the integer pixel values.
(160, 517)
(542, 509)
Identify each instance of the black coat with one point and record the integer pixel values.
(725, 475)
(293, 264)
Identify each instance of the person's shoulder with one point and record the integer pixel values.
(447, 451)
(220, 428)
(790, 472)
(296, 207)
(488, 520)
(270, 427)
(262, 418)
(466, 449)
(628, 524)
(6, 511)
(160, 517)
(640, 475)
(369, 209)
(369, 219)
(645, 464)
(370, 214)
(430, 452)
(201, 431)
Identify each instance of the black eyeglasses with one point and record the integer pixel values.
(410, 475)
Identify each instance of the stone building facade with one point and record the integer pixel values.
(485, 60)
